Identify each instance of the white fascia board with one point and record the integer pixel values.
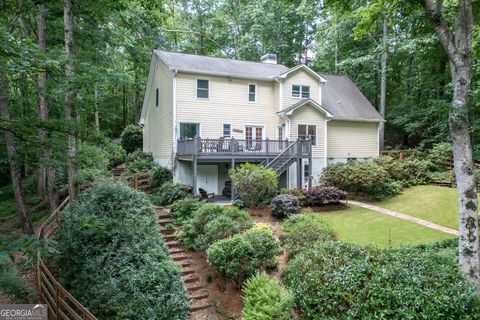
(306, 68)
(151, 73)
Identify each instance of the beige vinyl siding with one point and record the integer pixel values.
(299, 77)
(351, 139)
(227, 103)
(311, 116)
(159, 120)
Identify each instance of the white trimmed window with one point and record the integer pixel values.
(307, 131)
(227, 130)
(202, 88)
(299, 91)
(252, 92)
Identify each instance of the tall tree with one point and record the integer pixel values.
(457, 43)
(13, 160)
(69, 71)
(383, 82)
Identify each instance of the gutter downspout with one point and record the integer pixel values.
(174, 117)
(325, 141)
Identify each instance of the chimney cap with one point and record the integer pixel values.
(269, 58)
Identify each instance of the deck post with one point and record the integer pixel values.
(310, 165)
(232, 193)
(299, 166)
(195, 172)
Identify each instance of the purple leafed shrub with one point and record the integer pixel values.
(325, 195)
(284, 205)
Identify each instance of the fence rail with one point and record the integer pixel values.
(61, 304)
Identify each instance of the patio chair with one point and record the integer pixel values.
(206, 197)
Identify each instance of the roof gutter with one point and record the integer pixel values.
(224, 74)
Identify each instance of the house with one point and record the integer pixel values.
(203, 115)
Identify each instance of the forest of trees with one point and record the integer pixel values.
(74, 71)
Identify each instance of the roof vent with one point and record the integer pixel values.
(269, 58)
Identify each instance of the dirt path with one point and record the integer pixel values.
(404, 216)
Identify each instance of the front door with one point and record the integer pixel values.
(207, 178)
(254, 136)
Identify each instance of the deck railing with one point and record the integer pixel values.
(61, 304)
(232, 146)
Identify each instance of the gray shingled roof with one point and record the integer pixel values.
(219, 66)
(345, 101)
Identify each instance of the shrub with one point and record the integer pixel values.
(116, 154)
(132, 138)
(160, 176)
(302, 231)
(110, 245)
(409, 171)
(238, 204)
(170, 192)
(238, 257)
(284, 205)
(296, 193)
(362, 178)
(138, 161)
(266, 299)
(183, 209)
(212, 222)
(321, 196)
(440, 156)
(92, 163)
(255, 184)
(337, 280)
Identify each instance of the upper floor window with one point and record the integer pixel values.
(157, 97)
(300, 91)
(202, 88)
(252, 92)
(227, 130)
(307, 131)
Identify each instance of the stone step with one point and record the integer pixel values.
(164, 230)
(163, 215)
(170, 236)
(173, 244)
(192, 287)
(198, 296)
(200, 305)
(165, 221)
(175, 250)
(187, 271)
(179, 256)
(190, 278)
(184, 263)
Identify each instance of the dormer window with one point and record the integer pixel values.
(299, 91)
(202, 88)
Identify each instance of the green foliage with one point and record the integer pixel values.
(13, 286)
(284, 205)
(323, 195)
(170, 192)
(110, 246)
(338, 280)
(183, 209)
(132, 138)
(116, 154)
(160, 176)
(238, 257)
(408, 171)
(238, 204)
(302, 231)
(211, 222)
(364, 178)
(255, 184)
(137, 161)
(266, 299)
(93, 162)
(294, 192)
(440, 156)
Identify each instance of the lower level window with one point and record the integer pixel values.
(307, 131)
(189, 130)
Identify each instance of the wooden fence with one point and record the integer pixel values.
(140, 181)
(61, 304)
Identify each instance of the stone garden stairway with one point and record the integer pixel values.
(200, 304)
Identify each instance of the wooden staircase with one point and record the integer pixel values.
(200, 304)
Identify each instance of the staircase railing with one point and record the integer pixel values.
(281, 162)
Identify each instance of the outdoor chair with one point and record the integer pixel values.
(204, 196)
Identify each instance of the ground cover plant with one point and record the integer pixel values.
(183, 209)
(110, 245)
(170, 192)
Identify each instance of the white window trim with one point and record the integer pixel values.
(301, 91)
(223, 130)
(188, 122)
(196, 89)
(309, 125)
(277, 137)
(248, 89)
(253, 125)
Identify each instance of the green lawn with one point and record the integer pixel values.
(363, 226)
(432, 203)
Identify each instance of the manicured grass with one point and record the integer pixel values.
(363, 226)
(432, 203)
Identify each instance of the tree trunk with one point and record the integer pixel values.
(12, 159)
(383, 85)
(69, 71)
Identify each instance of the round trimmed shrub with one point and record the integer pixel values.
(160, 176)
(132, 138)
(170, 192)
(265, 298)
(284, 205)
(302, 231)
(266, 246)
(110, 246)
(296, 193)
(183, 209)
(337, 280)
(138, 161)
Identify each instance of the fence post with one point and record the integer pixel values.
(135, 182)
(39, 277)
(267, 145)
